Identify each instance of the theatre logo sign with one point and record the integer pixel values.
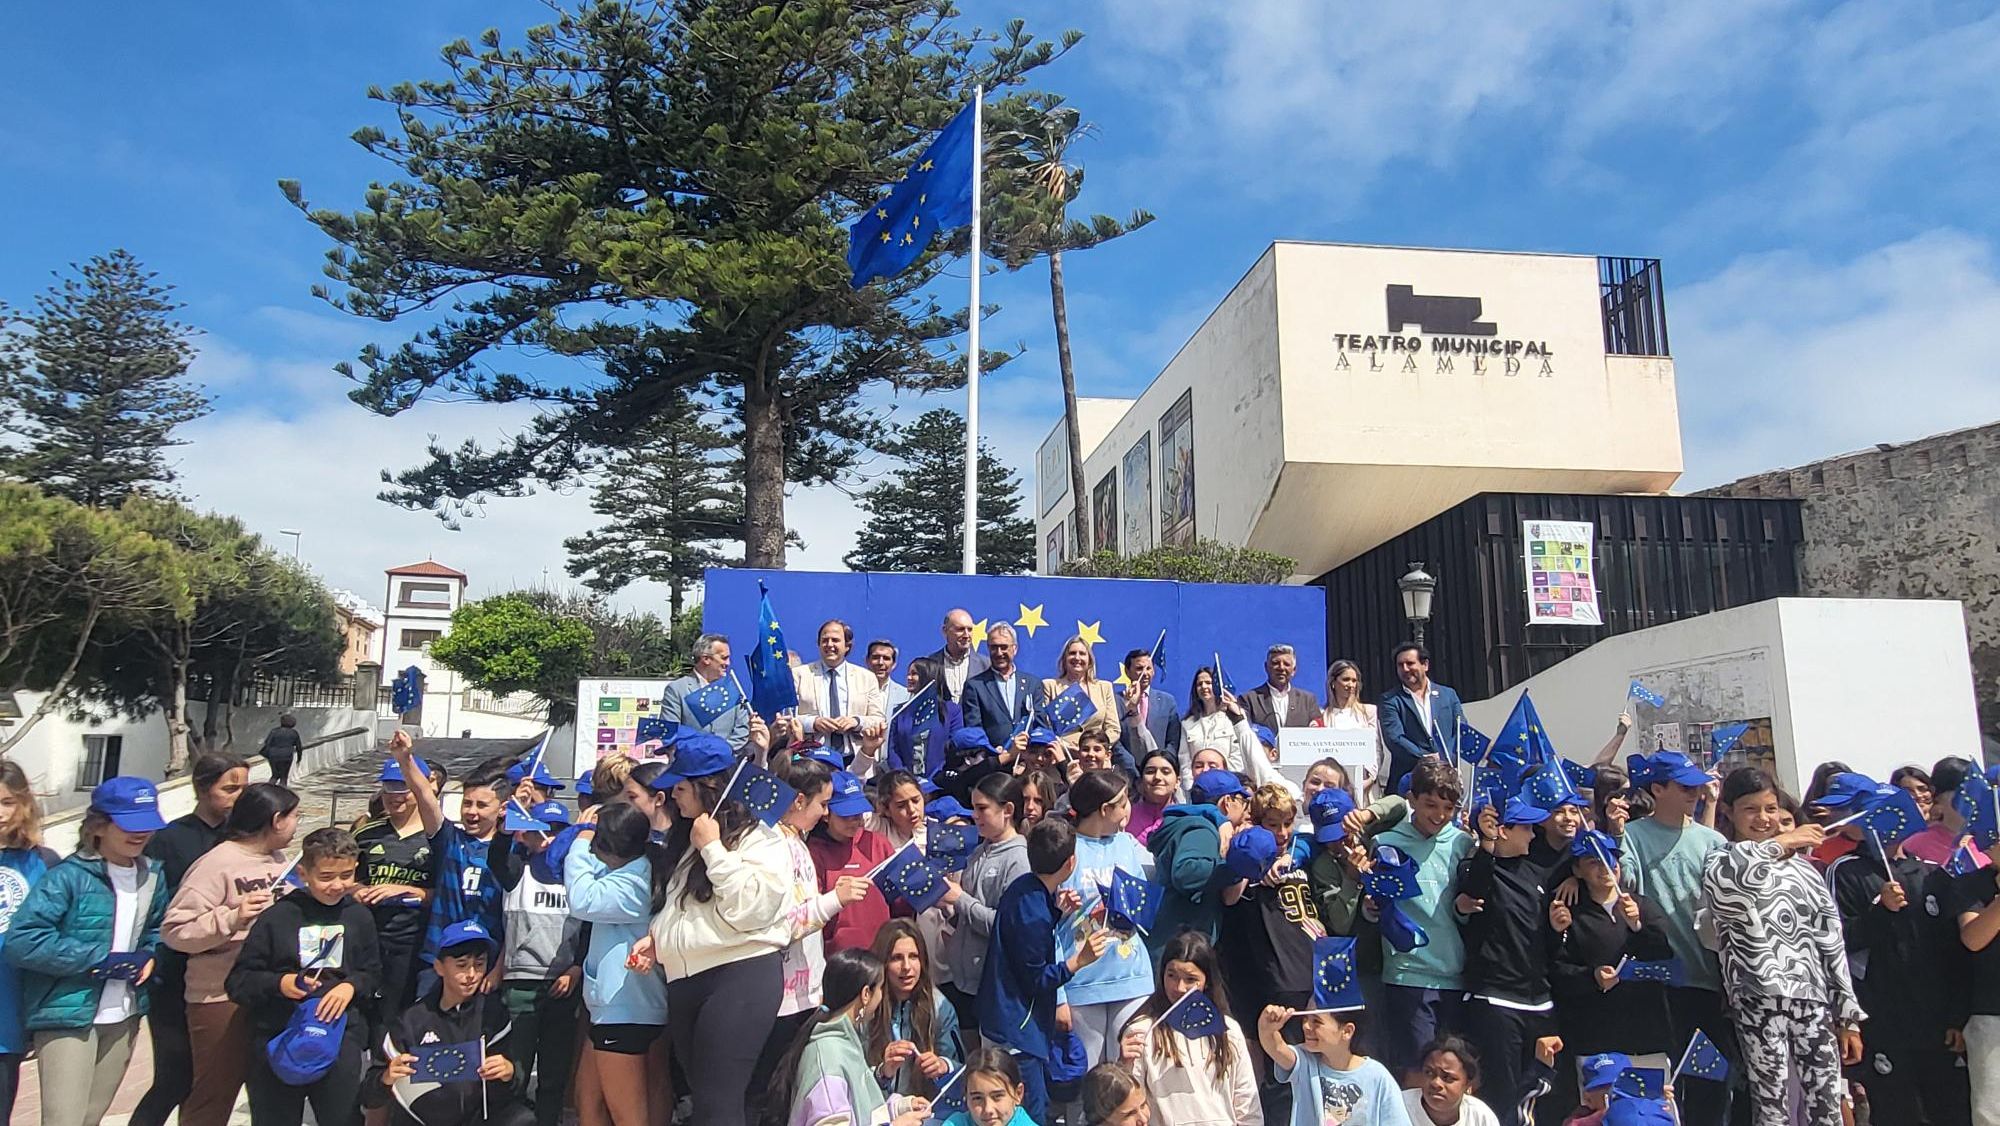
(1441, 334)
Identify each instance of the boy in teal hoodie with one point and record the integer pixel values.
(1188, 846)
(1422, 987)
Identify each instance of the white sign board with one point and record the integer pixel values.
(1562, 578)
(608, 714)
(1354, 749)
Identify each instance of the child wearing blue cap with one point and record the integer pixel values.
(83, 941)
(1422, 987)
(1188, 846)
(1268, 921)
(1509, 1008)
(314, 949)
(1595, 1011)
(457, 1019)
(469, 873)
(540, 968)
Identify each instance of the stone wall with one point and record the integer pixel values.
(1916, 520)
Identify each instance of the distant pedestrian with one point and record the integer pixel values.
(281, 748)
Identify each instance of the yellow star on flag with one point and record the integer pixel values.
(979, 632)
(1031, 618)
(881, 213)
(925, 166)
(1090, 634)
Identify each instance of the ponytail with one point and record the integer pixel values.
(848, 972)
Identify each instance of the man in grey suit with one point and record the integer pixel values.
(1276, 703)
(1152, 718)
(711, 663)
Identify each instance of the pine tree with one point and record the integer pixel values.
(916, 519)
(92, 384)
(673, 500)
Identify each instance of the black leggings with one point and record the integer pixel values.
(335, 1096)
(720, 1019)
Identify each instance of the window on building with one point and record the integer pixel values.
(418, 638)
(100, 759)
(424, 596)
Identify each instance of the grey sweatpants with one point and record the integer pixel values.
(80, 1069)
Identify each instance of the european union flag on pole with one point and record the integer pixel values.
(1962, 863)
(1524, 735)
(1472, 746)
(1976, 801)
(406, 692)
(935, 196)
(714, 700)
(1393, 875)
(448, 1063)
(1194, 1016)
(1222, 683)
(950, 845)
(1670, 971)
(1131, 902)
(1641, 692)
(1070, 710)
(909, 876)
(1159, 654)
(764, 793)
(771, 687)
(1336, 988)
(924, 706)
(1702, 1060)
(1722, 739)
(1641, 1083)
(1894, 817)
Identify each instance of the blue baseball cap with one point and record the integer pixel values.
(697, 755)
(1039, 736)
(392, 771)
(1329, 808)
(970, 738)
(1843, 790)
(947, 807)
(1211, 786)
(585, 786)
(820, 752)
(1264, 734)
(1590, 843)
(1601, 1071)
(1666, 766)
(466, 932)
(307, 1046)
(847, 798)
(517, 820)
(133, 804)
(518, 773)
(1520, 811)
(553, 812)
(1252, 852)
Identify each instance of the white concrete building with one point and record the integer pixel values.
(1341, 394)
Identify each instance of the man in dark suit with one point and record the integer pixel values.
(1275, 703)
(1419, 718)
(960, 660)
(996, 698)
(1152, 719)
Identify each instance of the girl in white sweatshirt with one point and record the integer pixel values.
(1205, 1081)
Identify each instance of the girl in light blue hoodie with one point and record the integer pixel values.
(611, 888)
(1104, 995)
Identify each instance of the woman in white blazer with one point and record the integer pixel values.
(1344, 711)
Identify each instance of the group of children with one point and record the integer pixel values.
(1593, 953)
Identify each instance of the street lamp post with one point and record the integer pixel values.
(296, 535)
(1417, 588)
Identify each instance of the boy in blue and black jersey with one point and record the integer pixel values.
(469, 872)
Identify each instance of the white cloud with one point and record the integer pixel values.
(1787, 358)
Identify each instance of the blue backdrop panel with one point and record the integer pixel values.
(1201, 619)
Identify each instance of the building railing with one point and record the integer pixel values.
(1634, 300)
(280, 692)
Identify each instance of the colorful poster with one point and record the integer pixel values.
(1052, 469)
(1177, 471)
(1054, 554)
(1562, 581)
(608, 714)
(1138, 474)
(1104, 514)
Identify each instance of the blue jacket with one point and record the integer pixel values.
(1403, 729)
(64, 928)
(1017, 989)
(19, 869)
(945, 1039)
(1187, 860)
(985, 708)
(618, 905)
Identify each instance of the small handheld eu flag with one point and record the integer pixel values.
(1641, 692)
(1131, 902)
(1641, 1083)
(406, 692)
(1702, 1060)
(1070, 710)
(1194, 1016)
(1963, 862)
(909, 876)
(950, 845)
(1723, 739)
(714, 700)
(1336, 986)
(1668, 971)
(448, 1063)
(762, 792)
(1978, 802)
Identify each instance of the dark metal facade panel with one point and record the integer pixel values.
(1657, 559)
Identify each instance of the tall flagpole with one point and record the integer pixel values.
(972, 344)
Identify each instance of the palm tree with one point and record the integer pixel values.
(1033, 184)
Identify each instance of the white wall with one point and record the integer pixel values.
(1874, 683)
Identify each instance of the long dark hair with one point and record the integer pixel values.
(1193, 948)
(1195, 710)
(923, 1000)
(732, 817)
(260, 804)
(1095, 789)
(623, 835)
(848, 972)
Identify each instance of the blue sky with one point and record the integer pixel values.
(1818, 179)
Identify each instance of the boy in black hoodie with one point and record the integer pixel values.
(1509, 946)
(454, 1012)
(316, 944)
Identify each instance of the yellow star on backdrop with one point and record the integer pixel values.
(1031, 618)
(1090, 633)
(1123, 681)
(979, 632)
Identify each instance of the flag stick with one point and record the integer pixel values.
(1685, 1052)
(733, 776)
(738, 682)
(288, 870)
(972, 351)
(877, 870)
(1170, 1008)
(1847, 820)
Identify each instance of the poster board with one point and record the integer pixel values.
(1356, 749)
(1562, 577)
(608, 714)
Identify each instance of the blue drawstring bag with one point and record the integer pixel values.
(1067, 1059)
(307, 1047)
(1398, 930)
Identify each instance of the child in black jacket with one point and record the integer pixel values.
(317, 946)
(453, 1013)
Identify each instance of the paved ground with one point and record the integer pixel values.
(340, 791)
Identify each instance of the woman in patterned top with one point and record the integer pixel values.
(1767, 913)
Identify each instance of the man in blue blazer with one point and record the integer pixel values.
(996, 699)
(1157, 719)
(1418, 718)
